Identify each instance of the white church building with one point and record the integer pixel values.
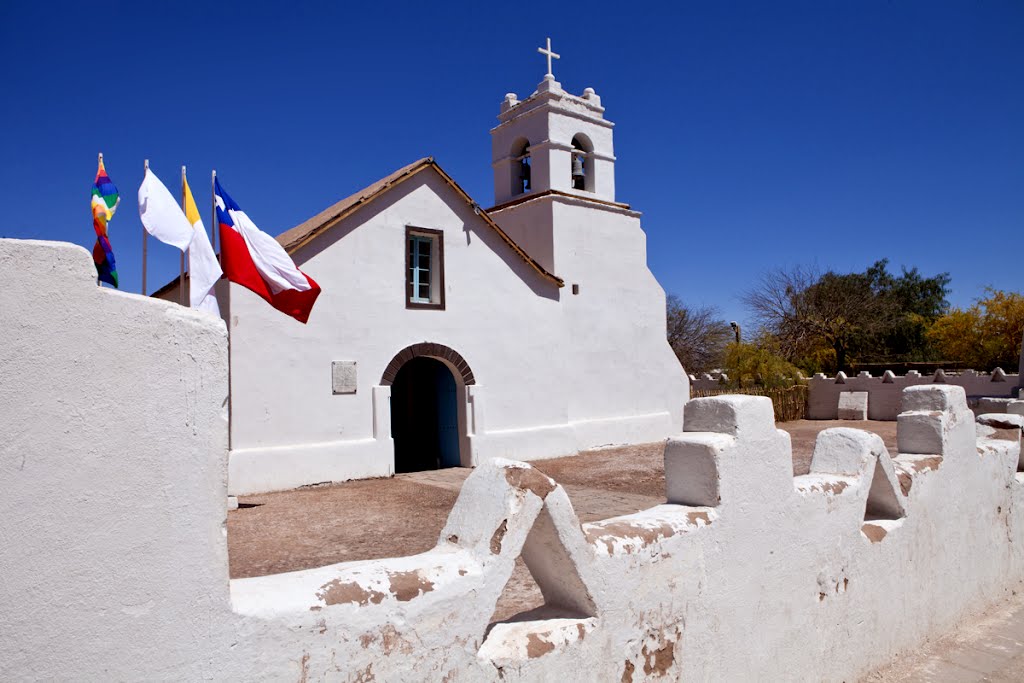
(447, 334)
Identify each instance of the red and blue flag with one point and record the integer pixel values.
(255, 260)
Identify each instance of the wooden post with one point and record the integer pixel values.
(144, 245)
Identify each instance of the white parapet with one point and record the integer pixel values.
(115, 559)
(828, 398)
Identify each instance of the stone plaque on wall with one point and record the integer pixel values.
(343, 376)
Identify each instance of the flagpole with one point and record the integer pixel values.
(215, 228)
(181, 262)
(144, 235)
(99, 163)
(213, 224)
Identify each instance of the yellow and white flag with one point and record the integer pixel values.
(204, 270)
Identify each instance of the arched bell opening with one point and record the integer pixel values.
(521, 171)
(582, 163)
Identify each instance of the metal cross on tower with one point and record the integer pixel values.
(549, 54)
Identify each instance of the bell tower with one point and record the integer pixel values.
(554, 194)
(553, 141)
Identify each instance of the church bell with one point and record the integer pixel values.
(577, 171)
(524, 173)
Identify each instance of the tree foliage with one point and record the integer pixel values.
(697, 335)
(757, 364)
(914, 303)
(824, 321)
(985, 336)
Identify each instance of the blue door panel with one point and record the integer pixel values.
(447, 418)
(424, 416)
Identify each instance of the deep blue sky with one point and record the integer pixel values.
(750, 134)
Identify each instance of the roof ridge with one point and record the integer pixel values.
(305, 232)
(298, 236)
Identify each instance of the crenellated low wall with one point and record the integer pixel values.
(707, 382)
(884, 392)
(115, 566)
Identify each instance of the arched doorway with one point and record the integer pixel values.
(424, 416)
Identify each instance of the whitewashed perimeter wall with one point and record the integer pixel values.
(115, 568)
(884, 392)
(113, 475)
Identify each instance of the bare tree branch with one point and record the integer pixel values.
(698, 336)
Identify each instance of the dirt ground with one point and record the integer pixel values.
(312, 527)
(373, 518)
(804, 432)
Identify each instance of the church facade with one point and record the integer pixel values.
(447, 334)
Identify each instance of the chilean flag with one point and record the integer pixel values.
(255, 260)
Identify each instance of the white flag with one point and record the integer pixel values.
(161, 215)
(165, 220)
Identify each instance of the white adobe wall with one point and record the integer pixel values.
(532, 366)
(113, 467)
(288, 429)
(617, 322)
(708, 382)
(616, 356)
(1020, 368)
(752, 574)
(115, 564)
(884, 392)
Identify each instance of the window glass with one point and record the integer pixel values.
(419, 268)
(424, 262)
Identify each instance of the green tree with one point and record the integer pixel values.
(914, 302)
(757, 365)
(852, 315)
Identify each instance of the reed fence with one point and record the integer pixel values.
(790, 403)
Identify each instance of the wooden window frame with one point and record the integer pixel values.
(419, 276)
(436, 269)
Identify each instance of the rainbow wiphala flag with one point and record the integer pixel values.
(104, 202)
